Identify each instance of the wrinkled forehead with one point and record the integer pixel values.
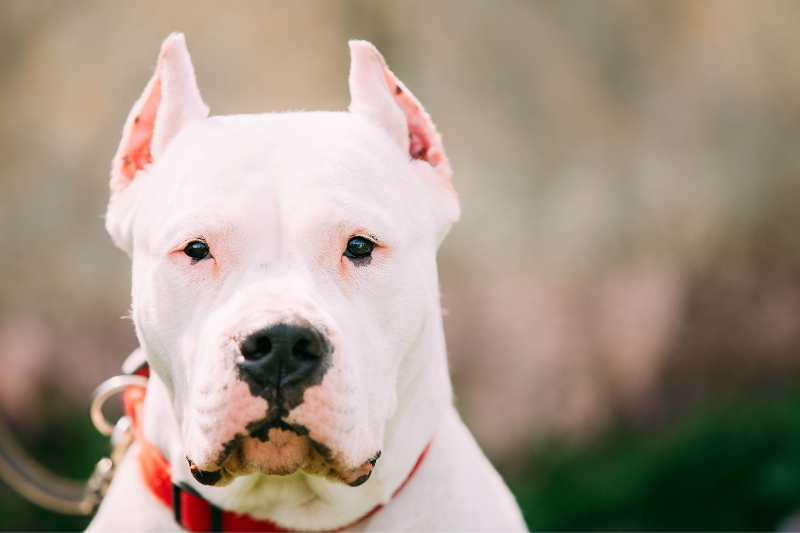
(303, 159)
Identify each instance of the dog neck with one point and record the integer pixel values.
(306, 502)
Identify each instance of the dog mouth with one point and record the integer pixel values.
(279, 449)
(278, 396)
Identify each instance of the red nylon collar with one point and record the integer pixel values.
(192, 512)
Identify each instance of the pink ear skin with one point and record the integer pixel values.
(376, 92)
(135, 147)
(170, 100)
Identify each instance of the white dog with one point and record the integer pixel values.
(285, 293)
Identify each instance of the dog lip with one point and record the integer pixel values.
(375, 458)
(364, 477)
(205, 477)
(360, 481)
(229, 449)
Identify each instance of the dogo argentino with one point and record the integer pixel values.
(285, 294)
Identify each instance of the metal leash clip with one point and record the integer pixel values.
(121, 434)
(26, 476)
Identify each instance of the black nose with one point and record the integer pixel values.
(282, 360)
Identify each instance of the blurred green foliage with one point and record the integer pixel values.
(729, 467)
(733, 467)
(66, 442)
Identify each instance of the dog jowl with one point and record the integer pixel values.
(284, 278)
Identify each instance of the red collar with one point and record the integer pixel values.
(192, 512)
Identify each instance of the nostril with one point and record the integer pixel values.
(307, 348)
(300, 347)
(256, 346)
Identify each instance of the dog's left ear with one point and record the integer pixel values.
(170, 100)
(376, 93)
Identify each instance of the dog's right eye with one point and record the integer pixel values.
(197, 250)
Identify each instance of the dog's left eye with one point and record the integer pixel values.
(197, 250)
(358, 247)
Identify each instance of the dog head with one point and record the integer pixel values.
(283, 266)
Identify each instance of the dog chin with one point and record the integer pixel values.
(284, 452)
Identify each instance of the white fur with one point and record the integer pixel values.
(277, 197)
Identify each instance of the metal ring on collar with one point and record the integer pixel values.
(103, 392)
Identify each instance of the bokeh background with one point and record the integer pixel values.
(622, 294)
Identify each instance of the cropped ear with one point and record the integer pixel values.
(376, 93)
(170, 100)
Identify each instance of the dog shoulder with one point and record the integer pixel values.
(128, 505)
(455, 489)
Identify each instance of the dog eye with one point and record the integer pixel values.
(197, 250)
(358, 247)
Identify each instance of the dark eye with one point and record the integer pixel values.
(358, 247)
(197, 250)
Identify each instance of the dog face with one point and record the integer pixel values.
(283, 266)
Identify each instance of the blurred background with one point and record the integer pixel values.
(622, 294)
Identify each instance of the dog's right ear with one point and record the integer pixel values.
(170, 100)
